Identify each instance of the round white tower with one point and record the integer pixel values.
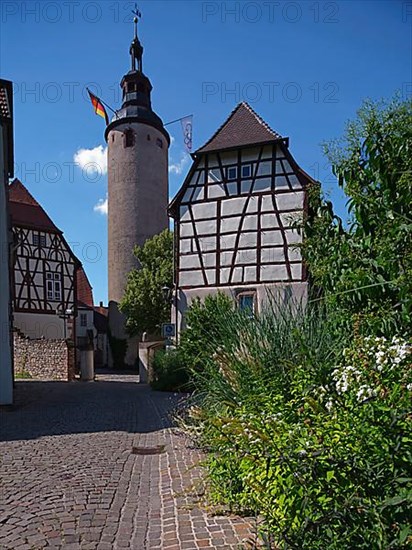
(137, 180)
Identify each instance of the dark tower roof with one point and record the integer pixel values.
(137, 88)
(242, 127)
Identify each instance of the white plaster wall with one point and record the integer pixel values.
(265, 293)
(6, 373)
(40, 325)
(82, 331)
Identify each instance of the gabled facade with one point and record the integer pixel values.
(44, 273)
(235, 215)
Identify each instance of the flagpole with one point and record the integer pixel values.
(177, 120)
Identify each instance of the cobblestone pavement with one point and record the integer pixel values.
(69, 477)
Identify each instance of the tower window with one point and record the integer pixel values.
(148, 137)
(129, 138)
(159, 143)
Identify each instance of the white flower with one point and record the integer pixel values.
(364, 392)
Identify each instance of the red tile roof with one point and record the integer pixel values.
(26, 211)
(84, 289)
(243, 127)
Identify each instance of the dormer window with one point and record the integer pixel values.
(231, 173)
(246, 171)
(39, 240)
(129, 138)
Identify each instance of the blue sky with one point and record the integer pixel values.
(305, 67)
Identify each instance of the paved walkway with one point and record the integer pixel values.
(75, 472)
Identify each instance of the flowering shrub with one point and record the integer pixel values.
(377, 361)
(324, 458)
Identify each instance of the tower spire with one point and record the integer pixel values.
(136, 49)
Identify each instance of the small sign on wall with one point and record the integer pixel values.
(168, 330)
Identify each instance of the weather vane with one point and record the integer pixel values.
(137, 14)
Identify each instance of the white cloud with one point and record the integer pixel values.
(92, 161)
(178, 167)
(101, 206)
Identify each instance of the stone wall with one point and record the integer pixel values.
(43, 359)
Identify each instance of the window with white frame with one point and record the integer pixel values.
(231, 173)
(53, 286)
(246, 171)
(246, 302)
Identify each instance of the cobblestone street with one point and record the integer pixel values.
(75, 472)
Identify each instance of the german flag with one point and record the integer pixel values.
(98, 106)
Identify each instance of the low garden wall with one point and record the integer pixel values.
(43, 359)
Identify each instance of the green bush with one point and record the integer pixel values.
(203, 327)
(309, 432)
(169, 372)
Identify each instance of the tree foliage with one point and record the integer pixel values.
(143, 302)
(365, 269)
(203, 326)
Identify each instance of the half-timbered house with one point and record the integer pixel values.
(44, 273)
(235, 217)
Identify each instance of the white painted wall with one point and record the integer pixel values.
(264, 294)
(40, 325)
(82, 331)
(6, 373)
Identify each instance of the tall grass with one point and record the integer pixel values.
(258, 354)
(325, 468)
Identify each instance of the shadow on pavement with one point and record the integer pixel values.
(114, 402)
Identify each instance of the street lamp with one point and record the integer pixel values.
(64, 314)
(167, 294)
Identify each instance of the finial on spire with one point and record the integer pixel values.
(136, 49)
(136, 14)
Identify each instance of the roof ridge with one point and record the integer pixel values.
(242, 127)
(223, 124)
(22, 202)
(260, 119)
(18, 184)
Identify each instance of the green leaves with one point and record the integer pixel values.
(365, 271)
(143, 302)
